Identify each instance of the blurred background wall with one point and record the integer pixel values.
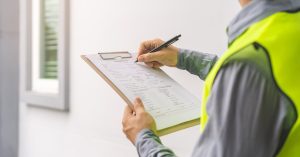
(9, 77)
(93, 126)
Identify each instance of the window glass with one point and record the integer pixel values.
(49, 32)
(45, 26)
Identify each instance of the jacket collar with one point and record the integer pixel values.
(256, 11)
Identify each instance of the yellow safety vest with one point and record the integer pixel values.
(279, 35)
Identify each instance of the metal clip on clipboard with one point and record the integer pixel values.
(114, 55)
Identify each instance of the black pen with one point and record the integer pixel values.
(164, 45)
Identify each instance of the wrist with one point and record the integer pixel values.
(177, 51)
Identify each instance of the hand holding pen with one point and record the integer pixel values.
(156, 53)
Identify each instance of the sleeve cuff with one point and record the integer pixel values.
(180, 58)
(141, 135)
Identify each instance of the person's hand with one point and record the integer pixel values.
(136, 119)
(167, 56)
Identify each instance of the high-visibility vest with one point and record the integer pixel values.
(277, 37)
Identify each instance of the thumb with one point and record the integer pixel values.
(149, 57)
(138, 105)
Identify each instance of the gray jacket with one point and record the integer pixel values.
(249, 116)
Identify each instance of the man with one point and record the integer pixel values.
(251, 97)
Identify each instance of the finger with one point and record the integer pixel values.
(149, 57)
(157, 65)
(127, 112)
(149, 64)
(146, 46)
(154, 64)
(138, 106)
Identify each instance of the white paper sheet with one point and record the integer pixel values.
(166, 100)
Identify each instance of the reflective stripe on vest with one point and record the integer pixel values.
(280, 35)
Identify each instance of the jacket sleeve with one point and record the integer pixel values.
(149, 145)
(196, 63)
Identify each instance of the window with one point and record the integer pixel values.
(45, 16)
(49, 35)
(44, 53)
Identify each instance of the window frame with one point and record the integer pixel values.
(59, 100)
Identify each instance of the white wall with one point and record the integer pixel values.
(9, 75)
(93, 126)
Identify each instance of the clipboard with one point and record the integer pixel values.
(110, 56)
(107, 56)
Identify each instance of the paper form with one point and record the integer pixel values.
(166, 100)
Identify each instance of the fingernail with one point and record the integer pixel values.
(141, 58)
(135, 100)
(138, 99)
